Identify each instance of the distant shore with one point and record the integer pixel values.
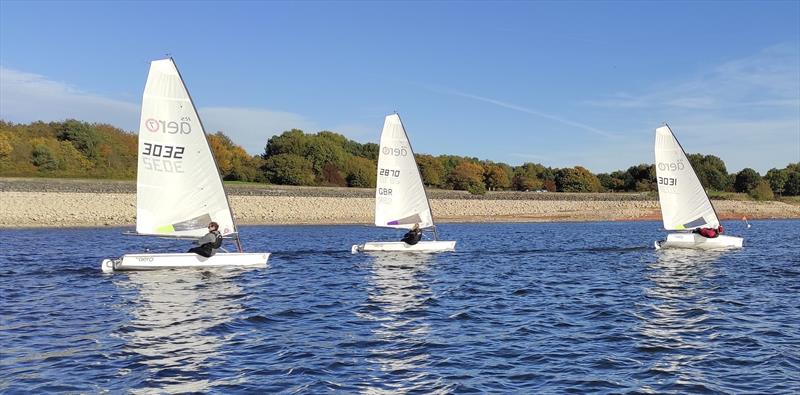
(90, 203)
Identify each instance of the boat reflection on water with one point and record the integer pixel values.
(171, 333)
(677, 329)
(399, 298)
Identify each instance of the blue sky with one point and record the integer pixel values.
(558, 83)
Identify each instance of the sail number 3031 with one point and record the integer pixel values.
(667, 181)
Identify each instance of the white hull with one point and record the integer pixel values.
(399, 246)
(695, 241)
(184, 260)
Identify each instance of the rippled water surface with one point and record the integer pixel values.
(519, 308)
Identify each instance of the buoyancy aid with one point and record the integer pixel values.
(218, 241)
(708, 233)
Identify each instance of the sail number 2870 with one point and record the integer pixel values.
(389, 172)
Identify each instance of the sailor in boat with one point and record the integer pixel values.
(413, 236)
(210, 243)
(710, 233)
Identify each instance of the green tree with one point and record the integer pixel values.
(577, 179)
(289, 142)
(361, 172)
(288, 169)
(497, 176)
(6, 149)
(777, 179)
(530, 176)
(322, 151)
(523, 182)
(72, 161)
(431, 169)
(614, 181)
(43, 158)
(233, 161)
(641, 178)
(477, 189)
(762, 191)
(711, 171)
(465, 175)
(332, 176)
(335, 138)
(746, 180)
(450, 162)
(368, 150)
(82, 135)
(792, 185)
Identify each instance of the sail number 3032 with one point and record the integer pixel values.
(163, 151)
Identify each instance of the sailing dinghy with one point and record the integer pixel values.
(684, 203)
(400, 197)
(178, 187)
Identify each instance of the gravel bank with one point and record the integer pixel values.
(49, 203)
(113, 186)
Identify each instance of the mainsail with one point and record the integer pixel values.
(684, 203)
(400, 199)
(178, 187)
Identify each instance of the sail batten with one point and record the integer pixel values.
(400, 198)
(179, 189)
(684, 202)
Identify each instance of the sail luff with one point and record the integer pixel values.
(213, 158)
(419, 173)
(689, 164)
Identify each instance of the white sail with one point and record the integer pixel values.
(178, 187)
(400, 199)
(684, 203)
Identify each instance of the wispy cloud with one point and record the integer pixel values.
(27, 97)
(522, 109)
(770, 78)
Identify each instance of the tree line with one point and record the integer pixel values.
(79, 149)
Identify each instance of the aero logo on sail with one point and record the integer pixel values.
(171, 127)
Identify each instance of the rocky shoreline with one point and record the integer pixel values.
(87, 203)
(126, 186)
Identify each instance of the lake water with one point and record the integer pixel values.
(519, 308)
